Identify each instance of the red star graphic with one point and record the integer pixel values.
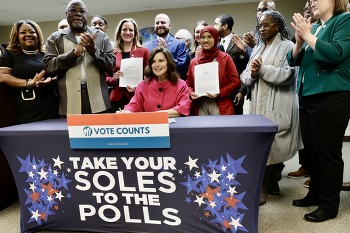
(35, 196)
(50, 190)
(55, 207)
(231, 201)
(43, 216)
(226, 224)
(207, 214)
(209, 193)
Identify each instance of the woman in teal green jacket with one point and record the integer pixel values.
(322, 51)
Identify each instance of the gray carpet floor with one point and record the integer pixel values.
(276, 216)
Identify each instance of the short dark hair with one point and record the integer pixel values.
(101, 17)
(226, 19)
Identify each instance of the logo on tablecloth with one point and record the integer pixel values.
(87, 131)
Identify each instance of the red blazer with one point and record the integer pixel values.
(117, 92)
(229, 82)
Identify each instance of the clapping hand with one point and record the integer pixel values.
(161, 42)
(255, 66)
(302, 27)
(88, 41)
(240, 44)
(249, 39)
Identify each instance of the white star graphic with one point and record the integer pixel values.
(35, 215)
(180, 171)
(235, 223)
(191, 162)
(230, 176)
(199, 200)
(49, 198)
(223, 168)
(68, 170)
(34, 167)
(232, 190)
(214, 177)
(42, 174)
(197, 174)
(31, 174)
(212, 204)
(55, 172)
(32, 187)
(58, 162)
(59, 195)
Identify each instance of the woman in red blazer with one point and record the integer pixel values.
(229, 82)
(127, 45)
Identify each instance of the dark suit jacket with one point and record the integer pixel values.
(240, 63)
(177, 49)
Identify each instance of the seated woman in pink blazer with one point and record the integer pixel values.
(162, 89)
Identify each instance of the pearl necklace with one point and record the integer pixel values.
(30, 52)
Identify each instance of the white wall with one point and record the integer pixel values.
(243, 14)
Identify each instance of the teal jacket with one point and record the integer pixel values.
(328, 67)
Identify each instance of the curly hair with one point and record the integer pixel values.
(278, 19)
(14, 45)
(172, 74)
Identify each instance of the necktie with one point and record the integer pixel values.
(223, 45)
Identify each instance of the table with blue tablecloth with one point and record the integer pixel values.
(208, 181)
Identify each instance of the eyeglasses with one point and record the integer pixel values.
(74, 11)
(264, 26)
(261, 9)
(180, 38)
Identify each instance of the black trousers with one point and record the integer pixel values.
(85, 102)
(323, 120)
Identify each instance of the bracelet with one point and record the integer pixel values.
(28, 83)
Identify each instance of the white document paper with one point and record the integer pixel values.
(206, 78)
(133, 72)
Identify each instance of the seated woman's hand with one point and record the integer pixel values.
(123, 111)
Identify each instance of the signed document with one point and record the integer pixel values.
(206, 78)
(133, 72)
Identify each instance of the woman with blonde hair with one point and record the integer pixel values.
(127, 45)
